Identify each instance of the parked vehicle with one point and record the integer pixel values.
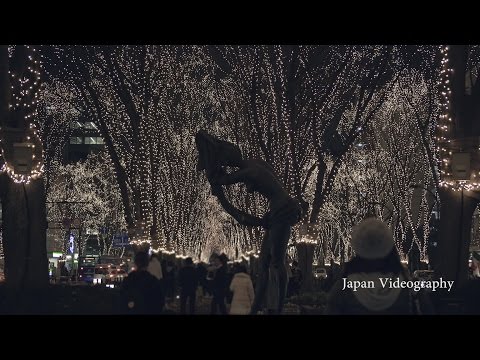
(320, 273)
(86, 269)
(101, 273)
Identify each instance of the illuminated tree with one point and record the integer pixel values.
(304, 109)
(86, 191)
(388, 172)
(56, 111)
(147, 102)
(22, 189)
(458, 131)
(405, 168)
(301, 108)
(2, 255)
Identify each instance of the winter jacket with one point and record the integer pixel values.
(142, 293)
(220, 282)
(372, 300)
(243, 294)
(188, 279)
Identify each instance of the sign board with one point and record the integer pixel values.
(71, 244)
(121, 240)
(22, 157)
(461, 166)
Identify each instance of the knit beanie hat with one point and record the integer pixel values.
(372, 239)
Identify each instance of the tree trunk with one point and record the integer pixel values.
(457, 207)
(456, 211)
(305, 261)
(318, 198)
(24, 234)
(24, 213)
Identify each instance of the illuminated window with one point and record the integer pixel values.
(75, 140)
(76, 125)
(90, 125)
(93, 140)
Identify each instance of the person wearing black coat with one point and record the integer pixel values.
(202, 278)
(141, 292)
(188, 281)
(219, 285)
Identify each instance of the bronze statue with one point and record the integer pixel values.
(284, 211)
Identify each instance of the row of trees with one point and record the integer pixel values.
(302, 108)
(83, 196)
(350, 130)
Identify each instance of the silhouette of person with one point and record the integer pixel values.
(376, 258)
(202, 278)
(141, 291)
(188, 281)
(219, 285)
(284, 211)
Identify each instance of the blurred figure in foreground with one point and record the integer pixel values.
(141, 292)
(375, 258)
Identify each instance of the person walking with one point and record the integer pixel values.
(243, 293)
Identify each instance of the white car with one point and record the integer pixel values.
(100, 275)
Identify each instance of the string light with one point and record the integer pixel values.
(151, 121)
(24, 98)
(444, 126)
(84, 190)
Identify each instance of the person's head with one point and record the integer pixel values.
(240, 268)
(223, 259)
(372, 239)
(375, 251)
(141, 260)
(217, 261)
(188, 261)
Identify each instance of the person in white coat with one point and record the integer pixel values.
(243, 293)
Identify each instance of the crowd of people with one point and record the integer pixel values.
(157, 281)
(146, 289)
